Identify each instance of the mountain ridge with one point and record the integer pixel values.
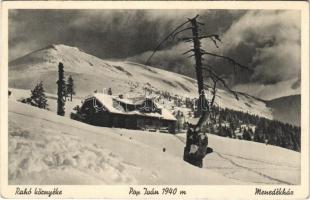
(91, 73)
(286, 109)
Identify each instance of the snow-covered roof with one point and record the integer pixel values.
(111, 103)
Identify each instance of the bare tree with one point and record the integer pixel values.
(196, 140)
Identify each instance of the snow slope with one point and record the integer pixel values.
(286, 109)
(43, 147)
(91, 73)
(48, 149)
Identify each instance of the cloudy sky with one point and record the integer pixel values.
(267, 41)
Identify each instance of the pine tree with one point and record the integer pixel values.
(70, 87)
(38, 97)
(61, 91)
(246, 135)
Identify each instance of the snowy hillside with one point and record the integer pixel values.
(91, 73)
(286, 109)
(43, 147)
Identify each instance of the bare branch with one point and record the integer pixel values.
(200, 23)
(190, 19)
(188, 51)
(185, 29)
(166, 38)
(215, 36)
(214, 41)
(209, 69)
(235, 63)
(186, 39)
(213, 91)
(207, 86)
(190, 56)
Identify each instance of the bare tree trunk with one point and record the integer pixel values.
(196, 141)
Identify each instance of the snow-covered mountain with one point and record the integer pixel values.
(91, 73)
(272, 91)
(44, 146)
(286, 109)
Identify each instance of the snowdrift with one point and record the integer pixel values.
(48, 149)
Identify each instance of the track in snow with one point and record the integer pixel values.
(240, 167)
(251, 170)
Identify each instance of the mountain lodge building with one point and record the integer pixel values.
(111, 111)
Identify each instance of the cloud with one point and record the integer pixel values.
(104, 33)
(268, 41)
(274, 40)
(172, 58)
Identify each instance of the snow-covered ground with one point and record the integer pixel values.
(48, 149)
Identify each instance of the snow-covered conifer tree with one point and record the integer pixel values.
(38, 97)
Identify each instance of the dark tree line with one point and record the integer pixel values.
(267, 131)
